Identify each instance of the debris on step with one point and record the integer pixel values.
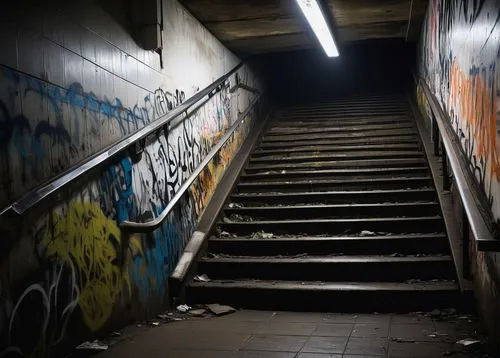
(396, 254)
(155, 323)
(235, 205)
(227, 220)
(183, 308)
(220, 310)
(468, 342)
(413, 280)
(212, 255)
(225, 233)
(92, 346)
(262, 235)
(435, 313)
(198, 312)
(367, 233)
(202, 277)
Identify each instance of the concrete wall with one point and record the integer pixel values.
(72, 82)
(460, 61)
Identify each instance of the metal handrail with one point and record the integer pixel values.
(144, 227)
(485, 234)
(36, 195)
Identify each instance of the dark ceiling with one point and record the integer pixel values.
(258, 26)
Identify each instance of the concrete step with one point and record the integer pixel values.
(325, 185)
(330, 197)
(314, 245)
(334, 268)
(407, 209)
(396, 225)
(352, 173)
(332, 296)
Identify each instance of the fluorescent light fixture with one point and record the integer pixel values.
(315, 17)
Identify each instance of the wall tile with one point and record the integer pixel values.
(73, 65)
(53, 63)
(30, 53)
(8, 39)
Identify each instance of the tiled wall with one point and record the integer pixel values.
(72, 82)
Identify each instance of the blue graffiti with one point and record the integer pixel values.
(117, 180)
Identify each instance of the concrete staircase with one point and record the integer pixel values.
(336, 210)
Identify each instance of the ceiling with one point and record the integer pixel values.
(258, 26)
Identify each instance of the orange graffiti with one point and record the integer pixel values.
(472, 98)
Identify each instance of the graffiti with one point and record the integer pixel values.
(45, 128)
(90, 242)
(48, 306)
(87, 268)
(459, 60)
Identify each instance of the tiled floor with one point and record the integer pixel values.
(269, 334)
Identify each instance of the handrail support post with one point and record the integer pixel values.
(446, 174)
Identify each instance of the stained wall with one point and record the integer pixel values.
(73, 81)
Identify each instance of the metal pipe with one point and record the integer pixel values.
(485, 235)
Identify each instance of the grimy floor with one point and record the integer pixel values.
(304, 335)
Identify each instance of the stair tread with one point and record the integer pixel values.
(333, 192)
(295, 238)
(335, 181)
(328, 259)
(329, 286)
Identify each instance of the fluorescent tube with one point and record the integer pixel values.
(315, 17)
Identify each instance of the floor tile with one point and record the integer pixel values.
(373, 318)
(208, 340)
(248, 316)
(366, 346)
(370, 330)
(325, 345)
(194, 354)
(412, 332)
(339, 318)
(333, 329)
(304, 317)
(410, 319)
(423, 350)
(263, 354)
(287, 328)
(276, 343)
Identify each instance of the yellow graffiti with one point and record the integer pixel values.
(85, 237)
(211, 175)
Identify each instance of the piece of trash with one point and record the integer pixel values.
(262, 235)
(435, 313)
(467, 342)
(220, 310)
(92, 346)
(116, 334)
(436, 334)
(235, 205)
(183, 308)
(154, 323)
(198, 312)
(225, 233)
(202, 278)
(401, 340)
(366, 233)
(227, 220)
(283, 171)
(396, 254)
